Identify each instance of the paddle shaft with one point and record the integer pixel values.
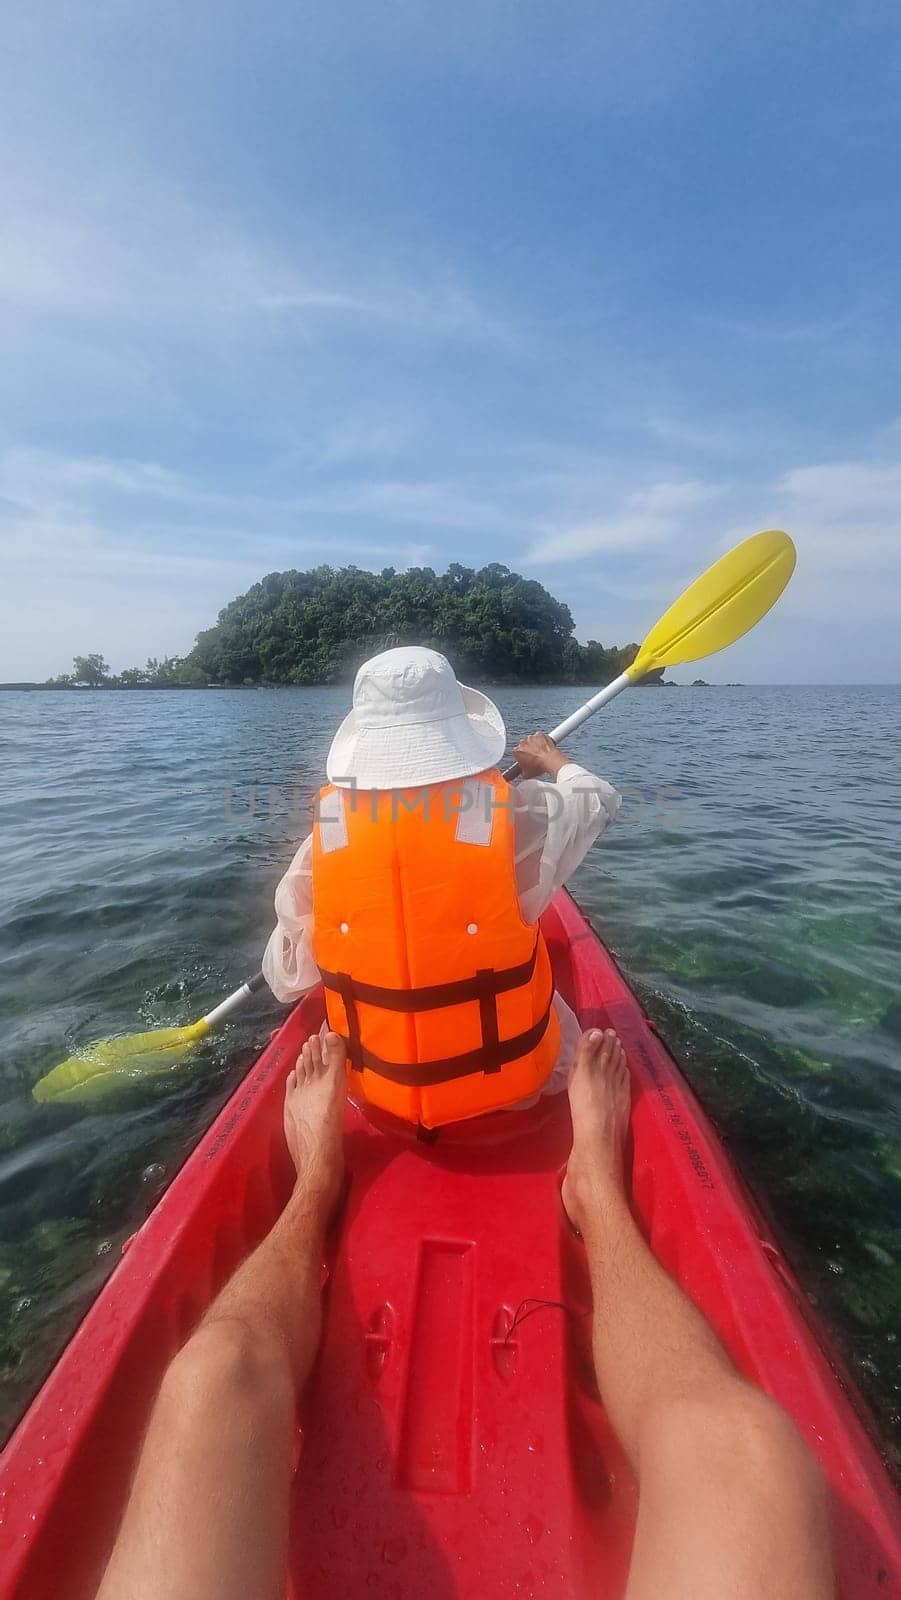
(233, 1001)
(576, 718)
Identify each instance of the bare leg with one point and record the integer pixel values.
(730, 1500)
(208, 1511)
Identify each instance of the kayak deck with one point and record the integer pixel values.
(455, 1443)
(452, 1441)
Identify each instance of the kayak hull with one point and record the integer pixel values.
(452, 1440)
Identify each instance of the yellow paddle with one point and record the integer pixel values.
(110, 1063)
(720, 606)
(724, 603)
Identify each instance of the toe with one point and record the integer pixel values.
(291, 1082)
(315, 1049)
(609, 1048)
(589, 1044)
(335, 1052)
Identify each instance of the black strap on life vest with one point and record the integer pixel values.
(483, 987)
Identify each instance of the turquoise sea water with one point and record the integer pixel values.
(752, 890)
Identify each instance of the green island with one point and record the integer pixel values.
(316, 627)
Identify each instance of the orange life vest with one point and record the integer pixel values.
(441, 990)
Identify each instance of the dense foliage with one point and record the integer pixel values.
(316, 627)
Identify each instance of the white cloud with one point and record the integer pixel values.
(705, 436)
(31, 475)
(81, 550)
(845, 517)
(650, 516)
(363, 441)
(839, 620)
(773, 329)
(134, 558)
(850, 495)
(438, 309)
(144, 253)
(73, 586)
(38, 480)
(433, 504)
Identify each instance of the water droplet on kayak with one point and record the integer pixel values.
(155, 1171)
(104, 1247)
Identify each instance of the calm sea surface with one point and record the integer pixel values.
(752, 891)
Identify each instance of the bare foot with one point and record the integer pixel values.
(600, 1102)
(314, 1107)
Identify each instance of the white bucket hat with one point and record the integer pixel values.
(412, 723)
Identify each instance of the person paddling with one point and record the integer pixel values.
(417, 895)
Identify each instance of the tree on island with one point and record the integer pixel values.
(316, 627)
(92, 670)
(173, 672)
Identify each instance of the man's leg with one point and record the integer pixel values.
(731, 1503)
(208, 1511)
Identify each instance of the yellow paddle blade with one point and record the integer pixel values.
(94, 1071)
(725, 602)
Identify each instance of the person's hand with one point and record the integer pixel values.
(537, 754)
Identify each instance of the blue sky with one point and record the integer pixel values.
(592, 290)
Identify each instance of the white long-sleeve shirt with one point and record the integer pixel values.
(555, 825)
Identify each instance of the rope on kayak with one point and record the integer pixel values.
(528, 1307)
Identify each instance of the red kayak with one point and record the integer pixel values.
(453, 1441)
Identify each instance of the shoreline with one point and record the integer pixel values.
(500, 683)
(249, 688)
